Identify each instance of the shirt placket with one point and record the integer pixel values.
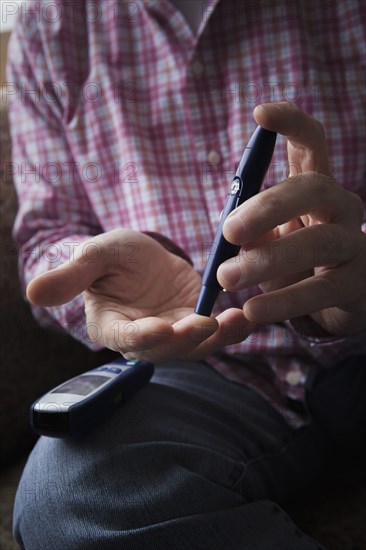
(204, 116)
(208, 132)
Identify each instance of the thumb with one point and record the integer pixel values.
(63, 283)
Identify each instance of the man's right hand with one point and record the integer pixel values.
(139, 297)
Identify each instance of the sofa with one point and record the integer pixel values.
(34, 359)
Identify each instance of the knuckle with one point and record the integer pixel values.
(333, 244)
(325, 186)
(330, 290)
(340, 244)
(272, 201)
(317, 128)
(319, 184)
(89, 305)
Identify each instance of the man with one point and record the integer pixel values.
(133, 118)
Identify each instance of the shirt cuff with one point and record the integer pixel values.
(310, 330)
(326, 348)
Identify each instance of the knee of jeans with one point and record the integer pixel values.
(71, 495)
(37, 506)
(26, 513)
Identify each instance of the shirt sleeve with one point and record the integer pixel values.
(54, 211)
(328, 350)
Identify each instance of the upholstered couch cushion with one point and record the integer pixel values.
(32, 359)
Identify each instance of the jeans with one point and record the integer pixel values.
(192, 462)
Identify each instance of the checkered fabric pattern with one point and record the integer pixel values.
(122, 116)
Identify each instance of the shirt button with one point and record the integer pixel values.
(213, 157)
(197, 68)
(294, 377)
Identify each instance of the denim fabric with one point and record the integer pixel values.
(193, 462)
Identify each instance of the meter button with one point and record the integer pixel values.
(235, 186)
(114, 370)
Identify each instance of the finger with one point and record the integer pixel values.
(282, 282)
(318, 196)
(233, 328)
(64, 282)
(320, 245)
(126, 335)
(188, 333)
(328, 289)
(89, 262)
(307, 148)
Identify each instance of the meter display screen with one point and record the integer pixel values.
(82, 385)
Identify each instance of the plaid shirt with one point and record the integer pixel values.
(121, 115)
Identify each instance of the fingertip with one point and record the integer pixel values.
(209, 323)
(202, 328)
(255, 310)
(272, 116)
(234, 327)
(52, 288)
(263, 115)
(199, 327)
(30, 294)
(259, 113)
(34, 292)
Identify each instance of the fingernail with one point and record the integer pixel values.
(232, 223)
(230, 275)
(232, 216)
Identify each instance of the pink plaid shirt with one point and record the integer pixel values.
(121, 115)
